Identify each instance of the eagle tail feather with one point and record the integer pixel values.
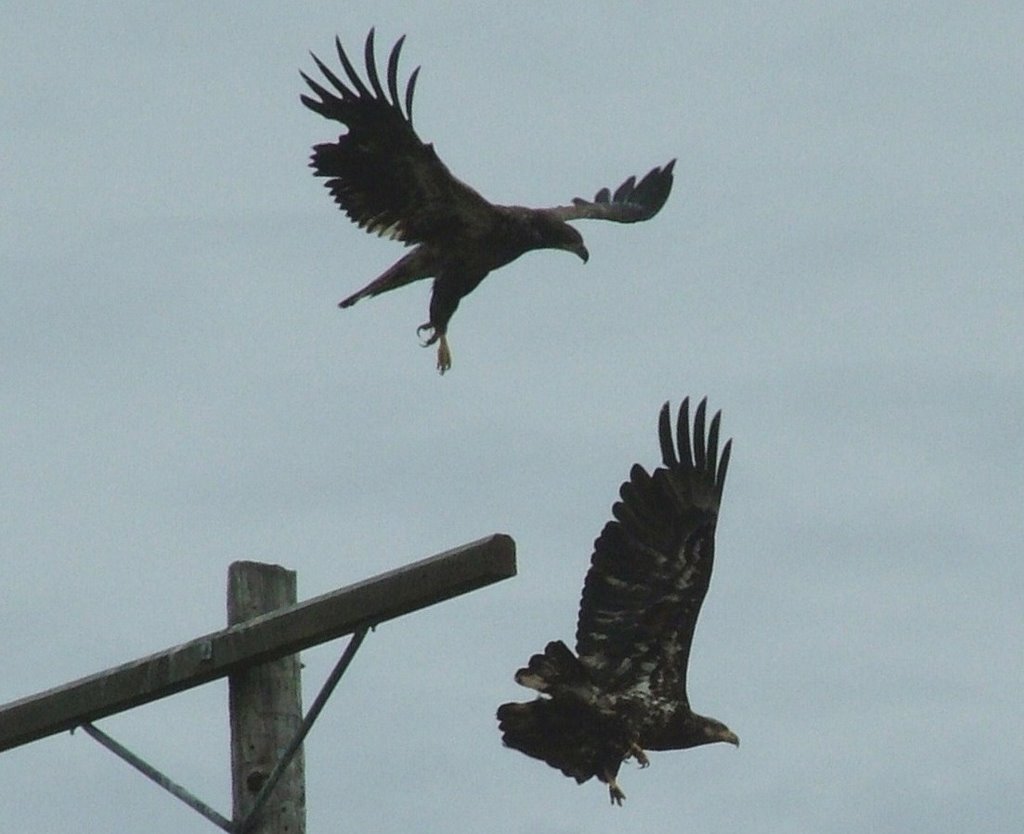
(545, 729)
(581, 742)
(404, 271)
(557, 667)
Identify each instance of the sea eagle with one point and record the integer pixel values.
(390, 183)
(624, 690)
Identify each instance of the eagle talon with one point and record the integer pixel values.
(615, 793)
(444, 356)
(444, 353)
(637, 752)
(433, 337)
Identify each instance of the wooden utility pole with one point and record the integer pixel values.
(265, 708)
(258, 652)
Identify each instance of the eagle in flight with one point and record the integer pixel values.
(390, 183)
(624, 690)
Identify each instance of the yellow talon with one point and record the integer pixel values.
(638, 753)
(615, 792)
(444, 355)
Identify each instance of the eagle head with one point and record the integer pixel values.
(717, 731)
(687, 729)
(554, 233)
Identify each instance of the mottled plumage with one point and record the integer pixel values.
(390, 183)
(624, 691)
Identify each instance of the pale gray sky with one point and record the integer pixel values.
(839, 269)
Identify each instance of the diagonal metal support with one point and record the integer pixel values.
(307, 724)
(151, 772)
(197, 804)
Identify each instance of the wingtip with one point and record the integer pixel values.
(712, 445)
(668, 451)
(683, 434)
(723, 466)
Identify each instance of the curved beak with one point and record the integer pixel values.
(732, 738)
(582, 252)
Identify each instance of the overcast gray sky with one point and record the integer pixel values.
(839, 269)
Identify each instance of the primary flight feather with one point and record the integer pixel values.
(391, 183)
(624, 690)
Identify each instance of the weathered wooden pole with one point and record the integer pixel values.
(265, 703)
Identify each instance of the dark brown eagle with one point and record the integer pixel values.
(389, 182)
(624, 691)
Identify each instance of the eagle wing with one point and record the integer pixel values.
(652, 564)
(631, 202)
(380, 173)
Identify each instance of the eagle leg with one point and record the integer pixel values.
(614, 791)
(637, 752)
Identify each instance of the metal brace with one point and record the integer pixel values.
(197, 804)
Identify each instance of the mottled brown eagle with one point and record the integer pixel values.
(390, 183)
(624, 691)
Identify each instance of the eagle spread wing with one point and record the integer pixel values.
(625, 689)
(380, 172)
(390, 183)
(651, 566)
(631, 202)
